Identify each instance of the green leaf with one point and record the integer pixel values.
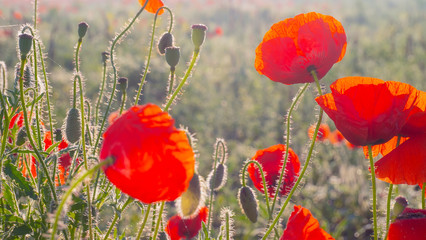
(24, 185)
(21, 230)
(10, 198)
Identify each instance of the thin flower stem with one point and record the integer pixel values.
(423, 195)
(116, 216)
(123, 101)
(71, 189)
(114, 80)
(144, 221)
(5, 135)
(373, 185)
(171, 83)
(287, 143)
(158, 220)
(100, 93)
(148, 61)
(227, 230)
(3, 71)
(77, 51)
(36, 93)
(35, 14)
(182, 82)
(302, 173)
(388, 203)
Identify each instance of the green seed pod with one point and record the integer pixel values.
(218, 180)
(172, 56)
(82, 30)
(198, 35)
(21, 137)
(248, 203)
(122, 84)
(191, 198)
(165, 41)
(25, 44)
(58, 135)
(73, 125)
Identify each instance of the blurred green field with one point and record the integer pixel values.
(226, 97)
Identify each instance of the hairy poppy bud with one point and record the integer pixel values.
(21, 138)
(28, 77)
(165, 41)
(172, 56)
(399, 206)
(198, 35)
(82, 30)
(25, 44)
(122, 84)
(191, 198)
(58, 135)
(248, 203)
(217, 180)
(105, 56)
(73, 125)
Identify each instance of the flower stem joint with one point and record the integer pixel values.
(198, 35)
(25, 44)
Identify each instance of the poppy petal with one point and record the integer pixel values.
(409, 225)
(152, 6)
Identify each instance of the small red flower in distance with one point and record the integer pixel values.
(368, 111)
(271, 159)
(292, 48)
(323, 132)
(408, 225)
(303, 226)
(406, 164)
(179, 228)
(153, 161)
(336, 137)
(152, 6)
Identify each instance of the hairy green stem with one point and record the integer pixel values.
(147, 210)
(159, 219)
(116, 216)
(373, 185)
(100, 93)
(390, 190)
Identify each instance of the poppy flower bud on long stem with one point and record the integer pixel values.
(165, 41)
(172, 56)
(399, 206)
(73, 125)
(198, 35)
(25, 44)
(248, 203)
(82, 30)
(190, 200)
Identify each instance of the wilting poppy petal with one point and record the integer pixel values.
(271, 160)
(303, 226)
(295, 46)
(323, 132)
(153, 161)
(179, 228)
(406, 164)
(368, 111)
(153, 5)
(409, 225)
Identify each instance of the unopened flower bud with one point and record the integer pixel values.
(25, 44)
(198, 35)
(190, 200)
(73, 125)
(399, 206)
(172, 56)
(217, 180)
(58, 135)
(82, 30)
(28, 77)
(165, 41)
(122, 84)
(248, 203)
(105, 56)
(21, 138)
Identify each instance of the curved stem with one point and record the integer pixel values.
(71, 189)
(158, 220)
(114, 80)
(77, 51)
(188, 72)
(144, 221)
(287, 139)
(302, 173)
(373, 185)
(100, 93)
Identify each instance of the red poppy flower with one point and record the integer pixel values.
(368, 111)
(271, 160)
(384, 148)
(404, 165)
(323, 132)
(152, 6)
(303, 226)
(292, 48)
(180, 228)
(153, 161)
(416, 123)
(409, 225)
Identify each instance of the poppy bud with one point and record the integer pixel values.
(165, 41)
(217, 180)
(172, 56)
(191, 198)
(248, 203)
(198, 35)
(122, 84)
(25, 44)
(105, 57)
(21, 138)
(73, 125)
(399, 206)
(82, 30)
(58, 135)
(28, 77)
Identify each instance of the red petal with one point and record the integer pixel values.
(153, 6)
(410, 225)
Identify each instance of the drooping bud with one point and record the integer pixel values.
(73, 125)
(25, 44)
(248, 203)
(105, 57)
(21, 137)
(190, 200)
(198, 35)
(165, 41)
(58, 135)
(172, 56)
(399, 206)
(122, 84)
(82, 30)
(217, 180)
